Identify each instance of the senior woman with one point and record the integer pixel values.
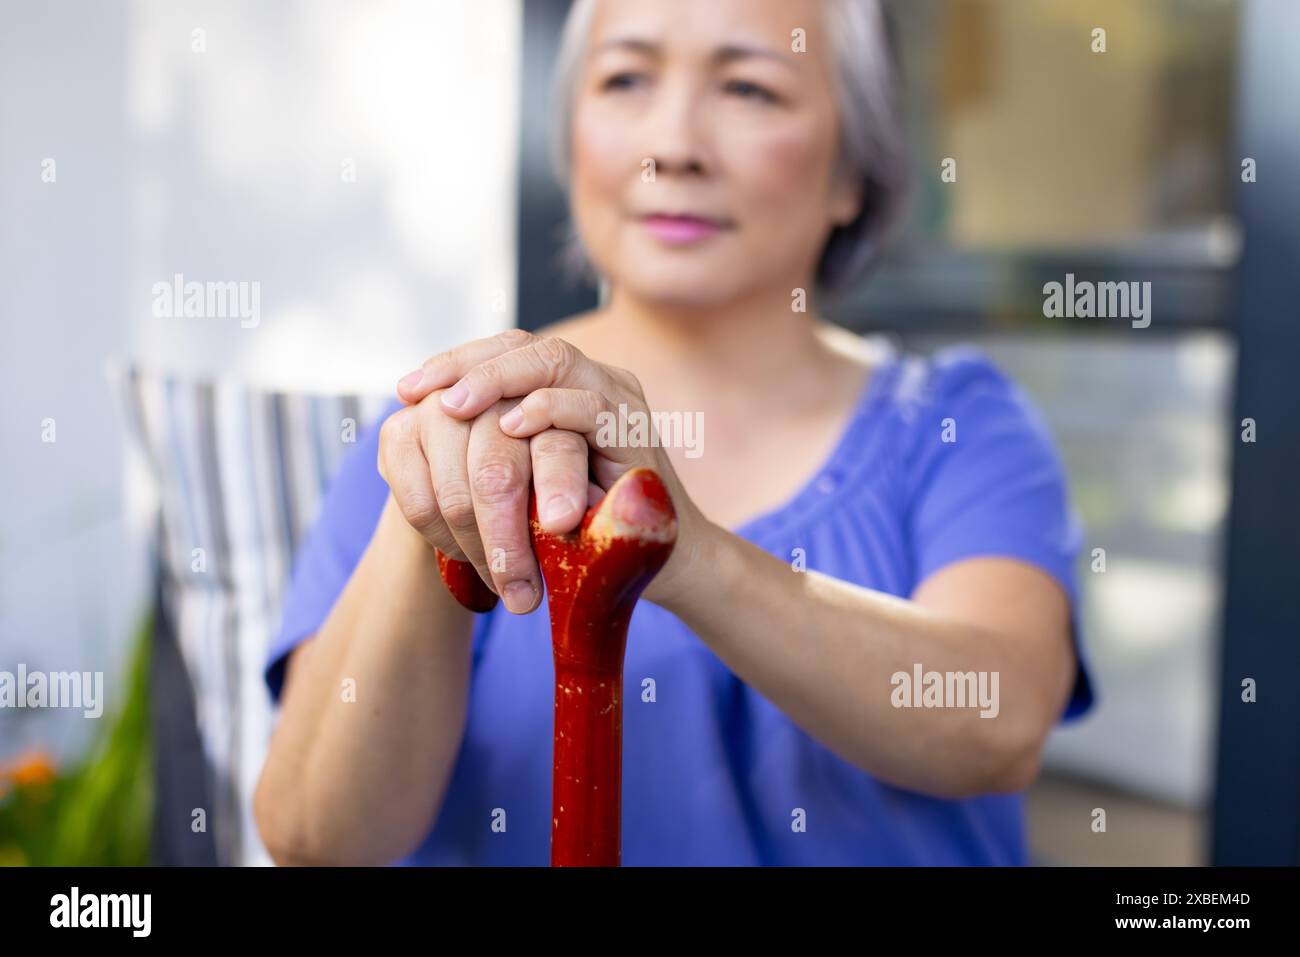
(860, 517)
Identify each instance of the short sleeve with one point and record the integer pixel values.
(331, 549)
(985, 478)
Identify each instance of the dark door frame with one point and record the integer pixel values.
(1257, 786)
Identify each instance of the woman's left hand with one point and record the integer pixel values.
(564, 389)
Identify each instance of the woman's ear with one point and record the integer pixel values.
(846, 199)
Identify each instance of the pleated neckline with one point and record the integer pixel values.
(828, 483)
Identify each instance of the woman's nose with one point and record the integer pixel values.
(676, 139)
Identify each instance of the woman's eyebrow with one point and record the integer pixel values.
(723, 54)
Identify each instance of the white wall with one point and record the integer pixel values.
(224, 164)
(69, 595)
(237, 173)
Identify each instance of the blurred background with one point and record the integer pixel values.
(377, 172)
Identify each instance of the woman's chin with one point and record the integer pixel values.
(699, 295)
(684, 284)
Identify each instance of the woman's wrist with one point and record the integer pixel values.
(705, 569)
(404, 542)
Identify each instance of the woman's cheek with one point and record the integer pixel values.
(777, 174)
(604, 150)
(604, 167)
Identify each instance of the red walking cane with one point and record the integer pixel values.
(594, 577)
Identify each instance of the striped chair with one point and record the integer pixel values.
(238, 475)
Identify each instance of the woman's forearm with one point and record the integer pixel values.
(824, 652)
(373, 712)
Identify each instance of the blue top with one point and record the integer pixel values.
(712, 771)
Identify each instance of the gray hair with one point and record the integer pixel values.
(871, 141)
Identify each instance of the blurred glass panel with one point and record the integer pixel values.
(1066, 159)
(1143, 424)
(1056, 144)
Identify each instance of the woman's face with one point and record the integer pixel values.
(703, 109)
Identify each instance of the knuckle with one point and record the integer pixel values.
(555, 442)
(395, 428)
(516, 338)
(419, 510)
(456, 505)
(488, 374)
(498, 480)
(557, 354)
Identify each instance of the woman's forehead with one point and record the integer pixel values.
(717, 30)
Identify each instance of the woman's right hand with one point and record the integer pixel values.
(464, 487)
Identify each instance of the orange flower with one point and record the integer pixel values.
(27, 770)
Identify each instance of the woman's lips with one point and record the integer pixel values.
(681, 230)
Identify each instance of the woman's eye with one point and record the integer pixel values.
(620, 81)
(753, 91)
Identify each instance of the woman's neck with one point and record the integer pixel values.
(729, 347)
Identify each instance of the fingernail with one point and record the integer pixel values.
(556, 507)
(512, 419)
(412, 380)
(455, 397)
(519, 596)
